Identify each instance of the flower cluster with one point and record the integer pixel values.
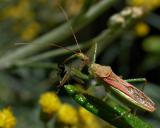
(7, 119)
(30, 18)
(88, 119)
(49, 102)
(148, 4)
(25, 24)
(65, 114)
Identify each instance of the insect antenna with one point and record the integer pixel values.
(72, 31)
(67, 18)
(63, 48)
(53, 44)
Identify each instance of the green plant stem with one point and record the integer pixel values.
(109, 111)
(103, 39)
(57, 35)
(36, 65)
(50, 54)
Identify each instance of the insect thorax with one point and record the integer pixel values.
(100, 70)
(83, 58)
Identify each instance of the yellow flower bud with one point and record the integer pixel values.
(74, 6)
(142, 29)
(49, 103)
(86, 116)
(88, 119)
(67, 115)
(30, 31)
(7, 119)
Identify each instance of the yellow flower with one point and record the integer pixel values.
(149, 4)
(19, 11)
(49, 103)
(7, 119)
(92, 125)
(88, 119)
(30, 31)
(74, 6)
(142, 29)
(85, 115)
(67, 115)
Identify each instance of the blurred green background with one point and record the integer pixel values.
(135, 53)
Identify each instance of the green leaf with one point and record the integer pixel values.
(108, 111)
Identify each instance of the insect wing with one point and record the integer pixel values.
(137, 96)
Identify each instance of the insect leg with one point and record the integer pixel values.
(63, 81)
(79, 74)
(106, 97)
(138, 80)
(95, 52)
(69, 58)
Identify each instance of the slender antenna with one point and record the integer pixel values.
(63, 48)
(66, 16)
(54, 44)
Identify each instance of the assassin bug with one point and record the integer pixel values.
(125, 91)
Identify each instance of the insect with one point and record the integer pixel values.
(125, 91)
